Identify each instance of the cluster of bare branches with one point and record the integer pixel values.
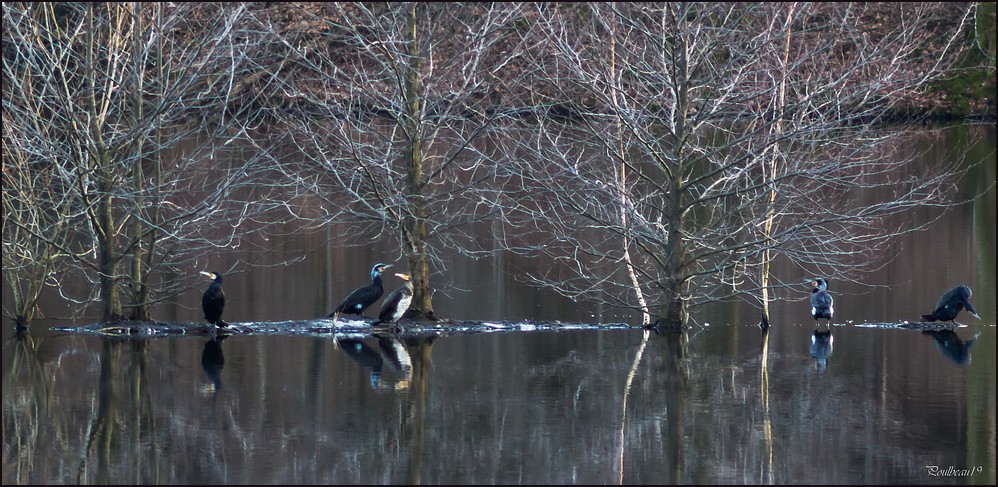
(401, 151)
(713, 138)
(118, 166)
(659, 155)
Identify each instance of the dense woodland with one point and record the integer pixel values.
(662, 155)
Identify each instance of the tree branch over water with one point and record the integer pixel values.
(393, 136)
(126, 113)
(741, 144)
(660, 155)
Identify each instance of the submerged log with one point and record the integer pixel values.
(321, 327)
(911, 325)
(362, 327)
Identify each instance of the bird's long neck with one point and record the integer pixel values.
(377, 281)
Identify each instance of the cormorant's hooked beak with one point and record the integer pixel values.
(403, 276)
(970, 309)
(209, 274)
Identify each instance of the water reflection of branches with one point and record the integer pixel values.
(25, 420)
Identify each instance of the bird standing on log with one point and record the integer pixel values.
(397, 303)
(950, 304)
(821, 302)
(363, 297)
(213, 300)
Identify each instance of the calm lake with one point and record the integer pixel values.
(522, 405)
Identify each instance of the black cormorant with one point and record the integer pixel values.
(362, 297)
(821, 301)
(213, 300)
(397, 303)
(950, 304)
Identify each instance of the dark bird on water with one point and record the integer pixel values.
(397, 303)
(950, 304)
(821, 302)
(213, 300)
(362, 297)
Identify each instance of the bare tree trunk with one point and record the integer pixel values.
(101, 159)
(140, 310)
(675, 313)
(415, 221)
(110, 298)
(770, 174)
(615, 94)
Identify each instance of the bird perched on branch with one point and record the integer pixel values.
(397, 303)
(363, 297)
(950, 304)
(213, 300)
(821, 302)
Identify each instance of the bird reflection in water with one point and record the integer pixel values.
(212, 361)
(821, 346)
(391, 350)
(398, 356)
(952, 346)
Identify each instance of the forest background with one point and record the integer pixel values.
(660, 156)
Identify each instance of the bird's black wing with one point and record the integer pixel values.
(213, 302)
(363, 296)
(821, 300)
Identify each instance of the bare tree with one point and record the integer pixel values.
(36, 213)
(125, 111)
(708, 137)
(393, 113)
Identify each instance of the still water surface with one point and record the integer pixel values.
(599, 406)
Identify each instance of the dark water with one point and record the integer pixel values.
(719, 405)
